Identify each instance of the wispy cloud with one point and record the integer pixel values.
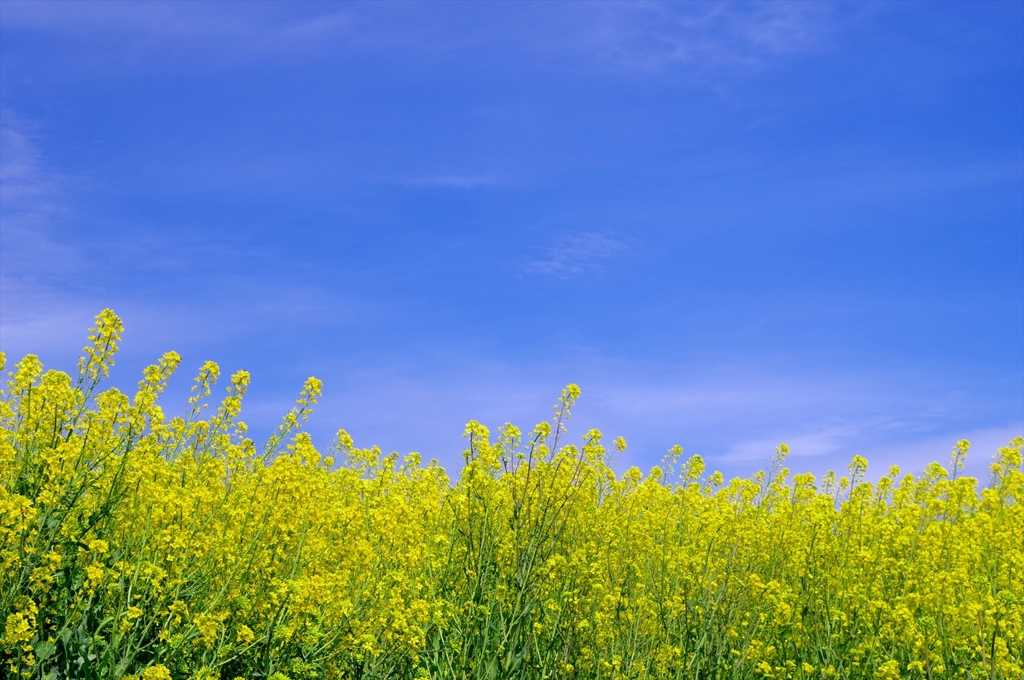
(735, 419)
(125, 36)
(913, 455)
(835, 446)
(455, 181)
(636, 36)
(26, 186)
(650, 36)
(33, 197)
(578, 254)
(55, 274)
(824, 442)
(886, 178)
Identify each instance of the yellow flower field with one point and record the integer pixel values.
(133, 545)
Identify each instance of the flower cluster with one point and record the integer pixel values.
(137, 546)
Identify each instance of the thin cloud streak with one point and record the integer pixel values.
(455, 181)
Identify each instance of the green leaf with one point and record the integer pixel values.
(44, 649)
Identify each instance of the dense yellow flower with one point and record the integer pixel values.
(157, 672)
(159, 548)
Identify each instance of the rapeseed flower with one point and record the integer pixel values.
(137, 546)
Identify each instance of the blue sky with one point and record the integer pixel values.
(732, 224)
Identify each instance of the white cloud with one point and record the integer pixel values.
(825, 442)
(734, 418)
(834, 446)
(578, 254)
(913, 455)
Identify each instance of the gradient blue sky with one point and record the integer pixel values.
(732, 224)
